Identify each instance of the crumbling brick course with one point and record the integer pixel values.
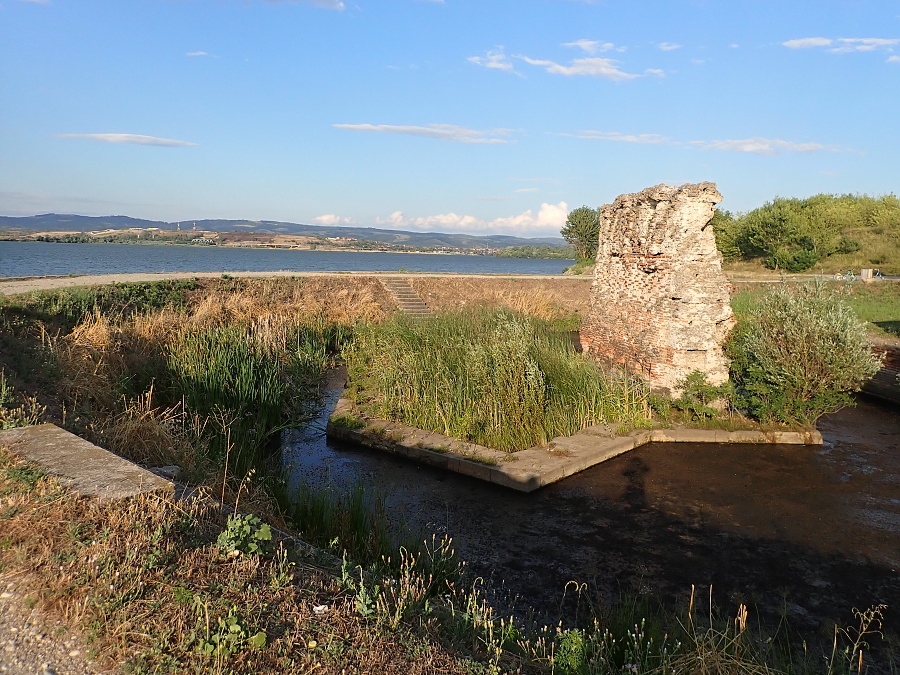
(660, 304)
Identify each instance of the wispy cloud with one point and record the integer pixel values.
(536, 180)
(844, 45)
(594, 46)
(328, 4)
(805, 43)
(761, 146)
(197, 54)
(893, 59)
(133, 139)
(756, 145)
(592, 67)
(547, 221)
(624, 138)
(668, 46)
(531, 189)
(495, 58)
(444, 132)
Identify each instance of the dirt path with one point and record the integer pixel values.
(35, 643)
(15, 286)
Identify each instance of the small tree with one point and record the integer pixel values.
(582, 231)
(799, 354)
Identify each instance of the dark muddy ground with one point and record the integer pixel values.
(807, 532)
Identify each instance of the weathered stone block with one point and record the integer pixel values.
(660, 304)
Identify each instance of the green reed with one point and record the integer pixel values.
(250, 382)
(492, 377)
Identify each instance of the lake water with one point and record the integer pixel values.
(34, 259)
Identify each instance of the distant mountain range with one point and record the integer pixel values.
(54, 222)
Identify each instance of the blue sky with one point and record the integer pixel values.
(479, 116)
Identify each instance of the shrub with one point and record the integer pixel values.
(799, 354)
(699, 396)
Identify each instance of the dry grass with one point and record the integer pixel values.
(341, 300)
(541, 298)
(147, 582)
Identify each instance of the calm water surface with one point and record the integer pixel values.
(813, 531)
(33, 259)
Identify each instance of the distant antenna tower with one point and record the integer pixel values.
(177, 226)
(195, 224)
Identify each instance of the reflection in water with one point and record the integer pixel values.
(814, 529)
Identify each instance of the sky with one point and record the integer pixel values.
(475, 116)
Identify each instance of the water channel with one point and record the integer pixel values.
(810, 532)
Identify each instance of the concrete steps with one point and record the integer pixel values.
(408, 301)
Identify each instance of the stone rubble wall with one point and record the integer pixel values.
(660, 303)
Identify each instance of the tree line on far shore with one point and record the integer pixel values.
(788, 233)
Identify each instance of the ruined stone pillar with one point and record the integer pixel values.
(660, 304)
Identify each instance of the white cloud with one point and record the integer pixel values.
(495, 58)
(328, 4)
(594, 67)
(760, 146)
(804, 43)
(668, 46)
(626, 138)
(197, 54)
(548, 221)
(133, 139)
(893, 59)
(444, 132)
(847, 45)
(333, 219)
(593, 46)
(656, 72)
(532, 189)
(844, 45)
(756, 145)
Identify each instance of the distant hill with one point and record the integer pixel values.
(54, 222)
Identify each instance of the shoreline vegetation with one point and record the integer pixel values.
(203, 374)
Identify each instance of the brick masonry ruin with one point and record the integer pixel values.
(660, 304)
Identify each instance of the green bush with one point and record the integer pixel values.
(799, 353)
(699, 396)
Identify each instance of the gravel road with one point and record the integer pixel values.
(34, 643)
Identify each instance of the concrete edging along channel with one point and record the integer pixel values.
(530, 469)
(82, 466)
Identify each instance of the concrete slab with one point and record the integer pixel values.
(80, 465)
(532, 468)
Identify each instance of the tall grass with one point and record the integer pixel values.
(251, 381)
(492, 377)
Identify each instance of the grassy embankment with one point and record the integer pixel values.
(167, 587)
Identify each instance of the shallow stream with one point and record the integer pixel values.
(809, 532)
